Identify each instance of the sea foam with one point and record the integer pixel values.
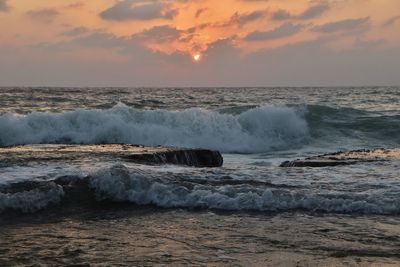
(31, 200)
(256, 130)
(121, 184)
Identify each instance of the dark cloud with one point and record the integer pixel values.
(101, 39)
(391, 21)
(159, 34)
(106, 40)
(46, 15)
(281, 14)
(222, 49)
(313, 11)
(343, 25)
(285, 30)
(237, 19)
(4, 7)
(241, 19)
(76, 31)
(200, 11)
(91, 41)
(139, 10)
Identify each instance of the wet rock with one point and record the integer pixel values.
(345, 158)
(190, 157)
(21, 155)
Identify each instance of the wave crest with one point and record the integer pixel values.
(121, 184)
(256, 130)
(32, 200)
(148, 187)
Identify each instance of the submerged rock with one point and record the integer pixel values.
(133, 153)
(345, 158)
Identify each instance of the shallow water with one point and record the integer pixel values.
(146, 236)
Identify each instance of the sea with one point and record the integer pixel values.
(249, 212)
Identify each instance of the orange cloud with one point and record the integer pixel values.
(169, 33)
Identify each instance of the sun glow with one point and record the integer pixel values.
(196, 57)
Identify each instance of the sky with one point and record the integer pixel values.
(236, 43)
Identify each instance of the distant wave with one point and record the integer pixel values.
(258, 129)
(120, 184)
(343, 125)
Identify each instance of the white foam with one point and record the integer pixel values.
(33, 200)
(120, 184)
(256, 130)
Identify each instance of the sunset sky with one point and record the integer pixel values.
(237, 42)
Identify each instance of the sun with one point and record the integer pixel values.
(197, 57)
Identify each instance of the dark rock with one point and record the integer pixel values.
(190, 157)
(345, 158)
(21, 155)
(316, 163)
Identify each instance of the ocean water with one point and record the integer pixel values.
(343, 212)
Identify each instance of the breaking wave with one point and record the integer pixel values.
(120, 184)
(141, 187)
(31, 200)
(255, 130)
